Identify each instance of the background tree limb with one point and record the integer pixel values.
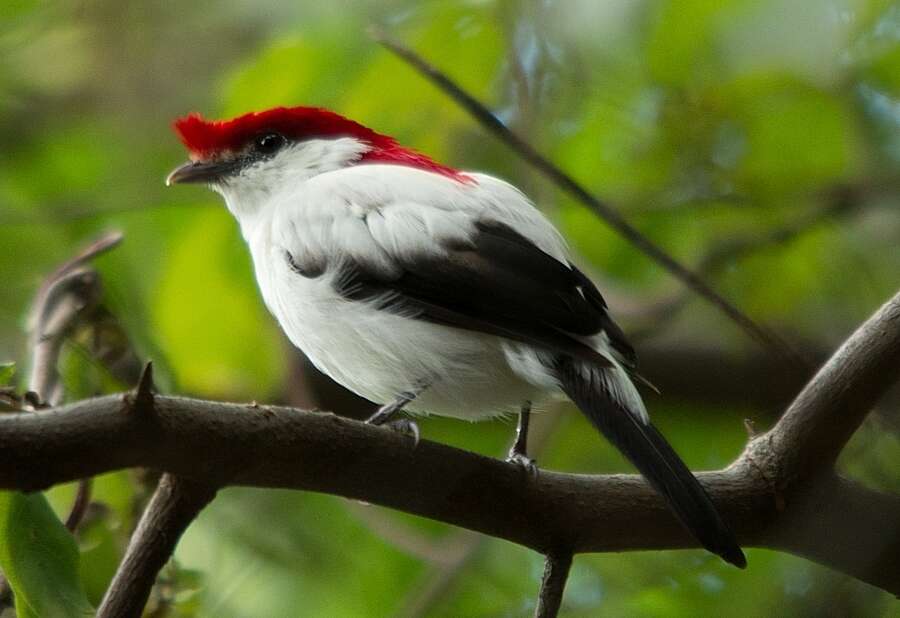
(605, 211)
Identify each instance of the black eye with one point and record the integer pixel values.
(269, 143)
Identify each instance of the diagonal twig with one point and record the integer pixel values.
(612, 217)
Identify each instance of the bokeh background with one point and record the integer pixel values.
(758, 141)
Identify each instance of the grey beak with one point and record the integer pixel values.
(201, 171)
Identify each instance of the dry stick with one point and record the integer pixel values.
(62, 302)
(769, 497)
(553, 584)
(175, 503)
(606, 212)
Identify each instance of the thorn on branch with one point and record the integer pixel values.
(553, 584)
(142, 400)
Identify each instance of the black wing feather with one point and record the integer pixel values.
(499, 283)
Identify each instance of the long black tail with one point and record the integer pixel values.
(602, 396)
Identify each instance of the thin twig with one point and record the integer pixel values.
(175, 504)
(553, 584)
(603, 210)
(64, 304)
(103, 244)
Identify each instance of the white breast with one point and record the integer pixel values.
(375, 353)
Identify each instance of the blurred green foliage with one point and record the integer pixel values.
(39, 558)
(705, 121)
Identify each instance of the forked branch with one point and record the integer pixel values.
(781, 493)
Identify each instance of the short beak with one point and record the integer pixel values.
(200, 171)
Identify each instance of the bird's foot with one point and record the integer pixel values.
(523, 461)
(405, 426)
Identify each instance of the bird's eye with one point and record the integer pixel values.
(269, 143)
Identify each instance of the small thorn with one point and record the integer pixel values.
(750, 426)
(144, 391)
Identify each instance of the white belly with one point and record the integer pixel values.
(378, 354)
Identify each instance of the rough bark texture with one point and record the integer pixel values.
(781, 493)
(173, 507)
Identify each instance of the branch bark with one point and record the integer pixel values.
(553, 584)
(769, 495)
(175, 504)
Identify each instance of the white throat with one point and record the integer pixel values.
(249, 193)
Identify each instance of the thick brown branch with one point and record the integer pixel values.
(277, 447)
(820, 421)
(220, 443)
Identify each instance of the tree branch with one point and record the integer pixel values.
(66, 296)
(175, 504)
(604, 211)
(553, 584)
(829, 410)
(760, 495)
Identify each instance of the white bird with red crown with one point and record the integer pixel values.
(429, 289)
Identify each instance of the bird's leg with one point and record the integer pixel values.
(385, 414)
(518, 454)
(388, 410)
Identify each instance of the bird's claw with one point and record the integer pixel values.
(523, 461)
(405, 426)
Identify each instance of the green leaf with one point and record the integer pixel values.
(7, 371)
(39, 558)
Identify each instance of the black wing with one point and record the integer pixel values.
(500, 283)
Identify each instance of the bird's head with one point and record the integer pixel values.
(252, 156)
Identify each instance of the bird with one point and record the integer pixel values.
(429, 289)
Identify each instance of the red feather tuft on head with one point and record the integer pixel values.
(207, 138)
